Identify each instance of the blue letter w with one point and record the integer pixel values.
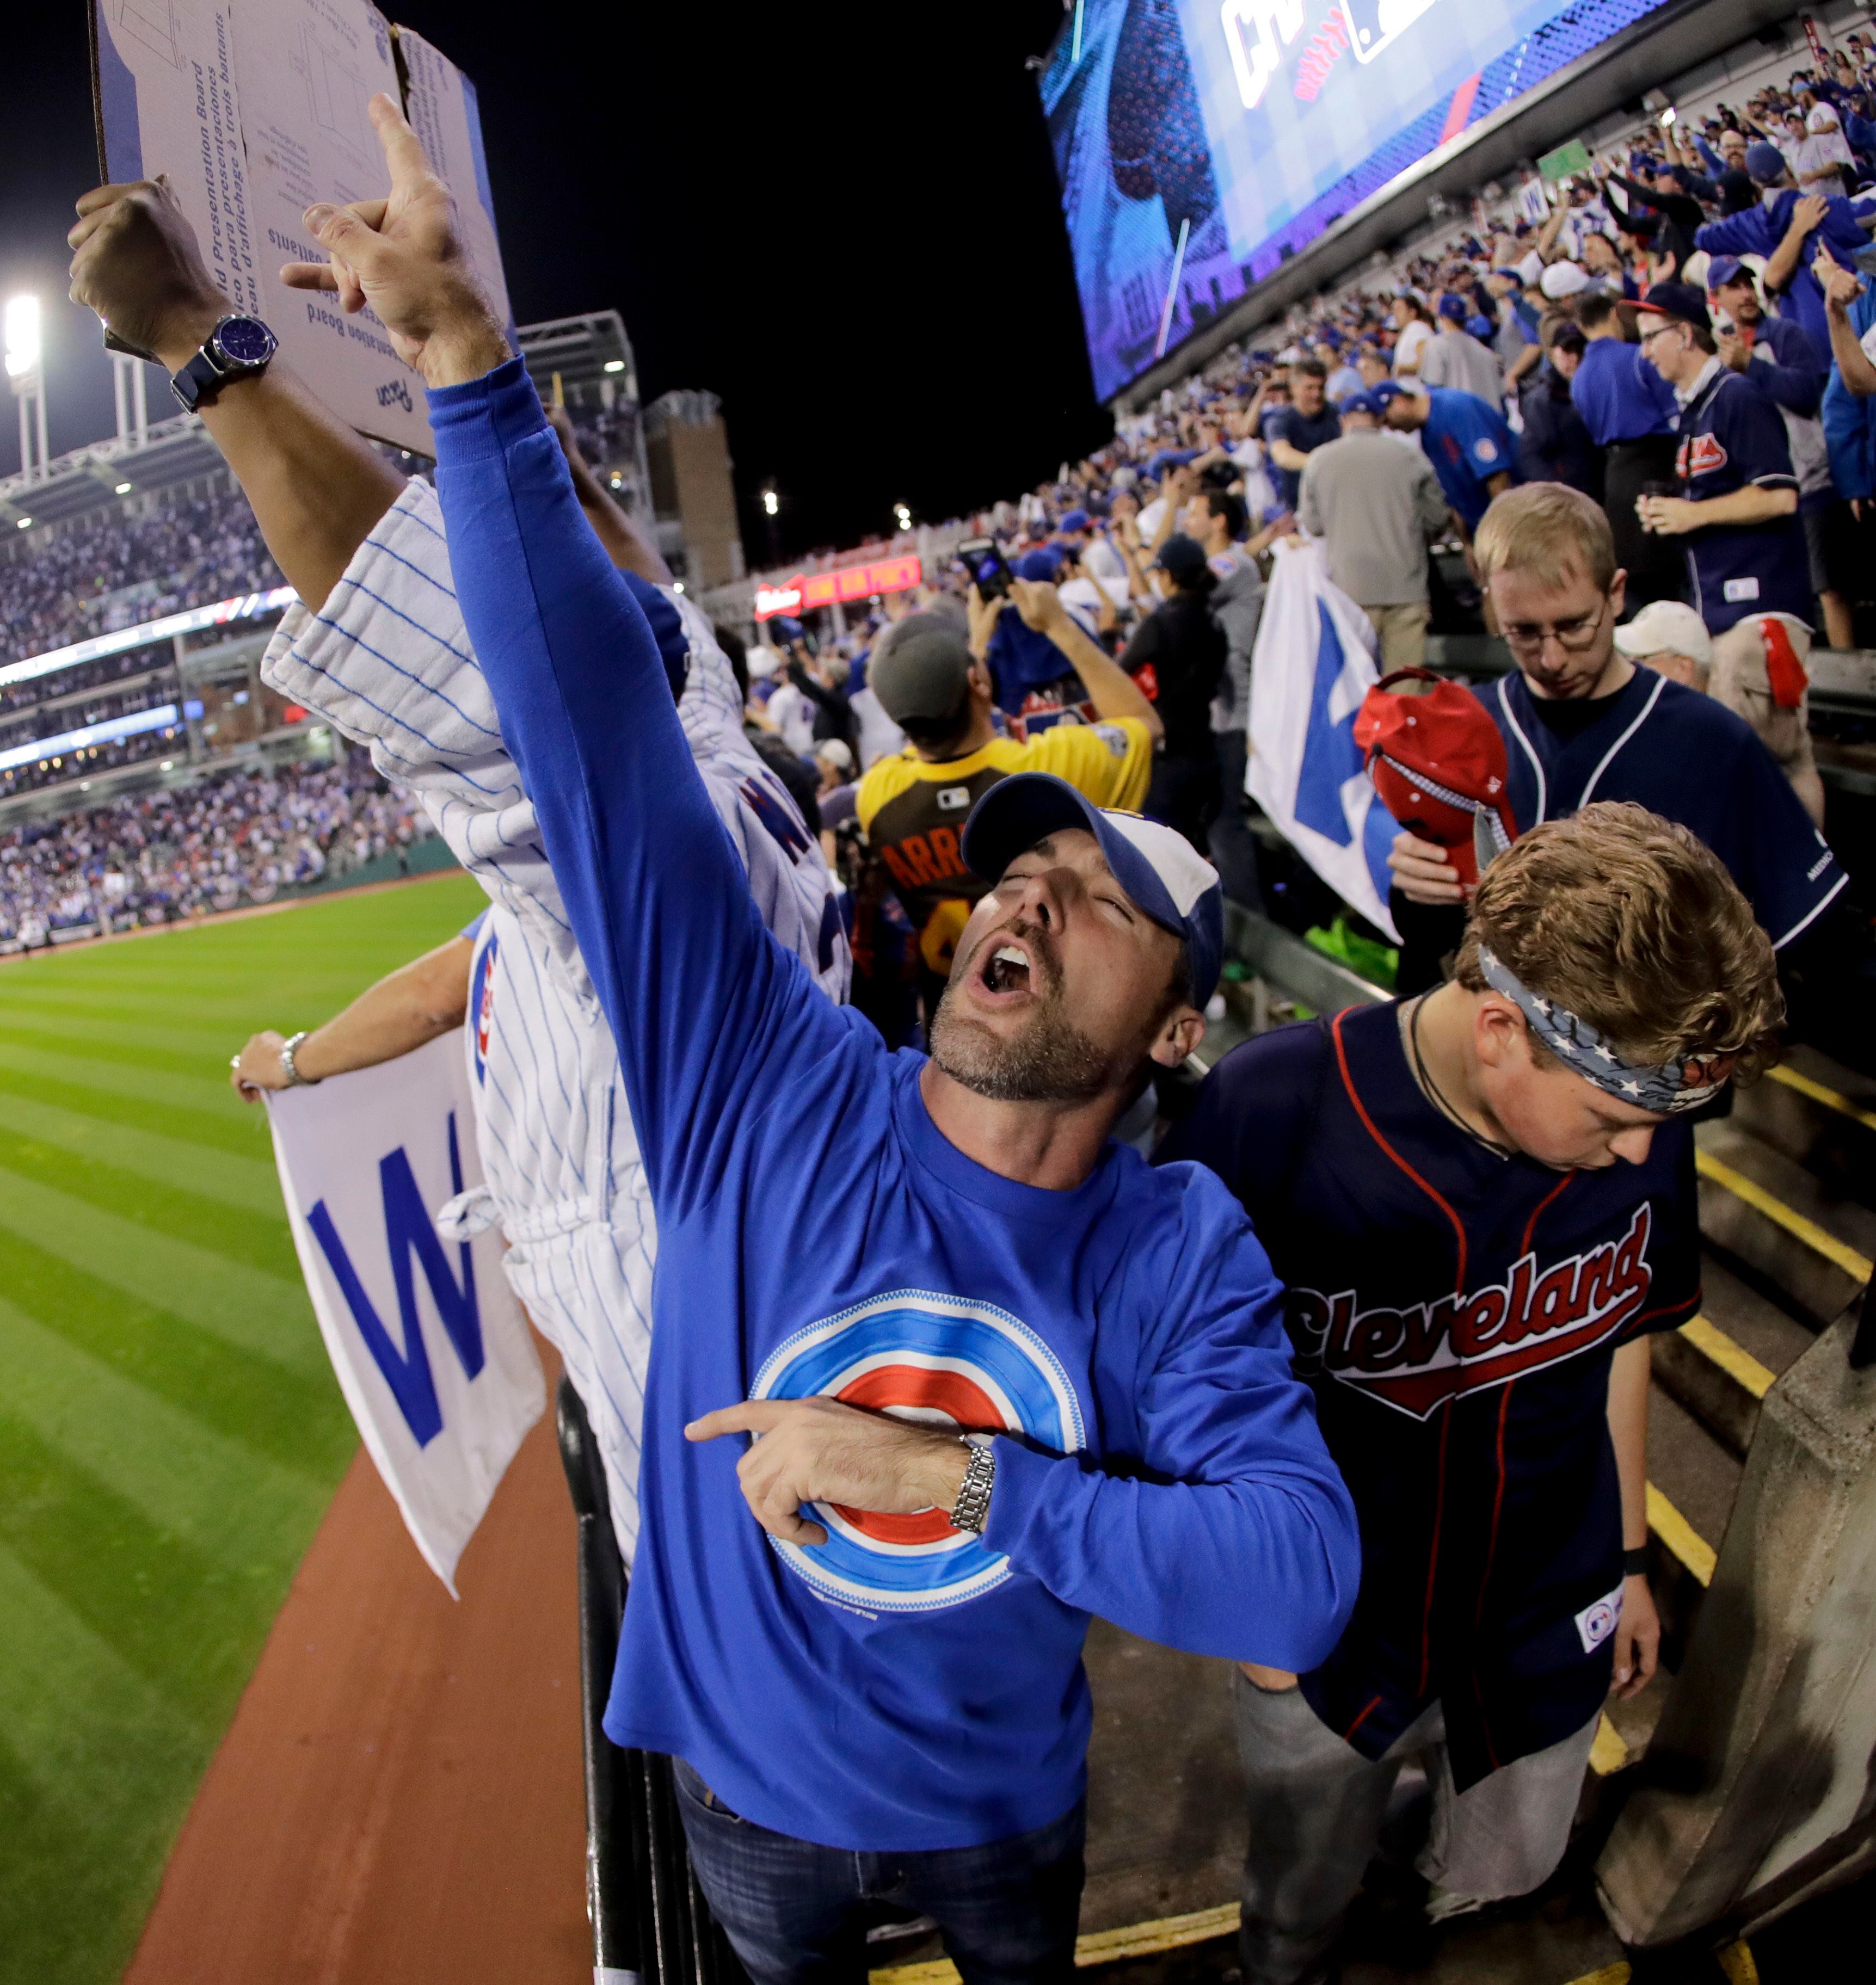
(408, 1229)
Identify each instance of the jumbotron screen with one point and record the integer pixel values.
(1199, 144)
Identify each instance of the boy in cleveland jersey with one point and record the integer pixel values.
(1481, 1201)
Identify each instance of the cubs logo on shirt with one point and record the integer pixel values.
(945, 1361)
(482, 1006)
(1415, 1358)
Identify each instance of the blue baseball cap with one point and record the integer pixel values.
(1368, 401)
(1045, 562)
(1456, 307)
(1163, 874)
(1076, 520)
(1722, 270)
(1765, 163)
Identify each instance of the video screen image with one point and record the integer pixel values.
(1201, 142)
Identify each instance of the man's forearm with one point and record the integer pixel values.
(1784, 258)
(317, 488)
(1853, 362)
(1749, 505)
(1628, 1427)
(1285, 456)
(405, 1009)
(626, 545)
(1112, 691)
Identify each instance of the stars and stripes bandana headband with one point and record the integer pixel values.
(1666, 1087)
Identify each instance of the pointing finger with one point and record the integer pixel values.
(404, 151)
(750, 1416)
(308, 276)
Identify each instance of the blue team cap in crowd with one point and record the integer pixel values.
(1454, 308)
(1366, 401)
(1076, 520)
(1163, 874)
(1044, 562)
(1765, 163)
(1387, 390)
(1722, 270)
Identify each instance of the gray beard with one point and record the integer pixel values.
(1050, 1061)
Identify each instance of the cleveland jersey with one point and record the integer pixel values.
(1456, 1311)
(913, 810)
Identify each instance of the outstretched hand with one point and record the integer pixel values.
(405, 256)
(817, 1450)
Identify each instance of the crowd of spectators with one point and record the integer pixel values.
(1679, 332)
(110, 571)
(238, 837)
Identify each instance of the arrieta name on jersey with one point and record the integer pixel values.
(1415, 1359)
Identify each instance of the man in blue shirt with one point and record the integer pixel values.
(863, 1633)
(1308, 422)
(1465, 437)
(1788, 228)
(1630, 412)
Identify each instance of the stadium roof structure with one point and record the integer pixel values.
(587, 351)
(591, 353)
(171, 451)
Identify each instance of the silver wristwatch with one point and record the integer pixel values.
(971, 1509)
(294, 1079)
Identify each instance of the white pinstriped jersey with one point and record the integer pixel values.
(388, 662)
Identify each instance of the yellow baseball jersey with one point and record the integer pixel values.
(913, 811)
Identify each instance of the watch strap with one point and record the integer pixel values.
(1635, 1562)
(971, 1509)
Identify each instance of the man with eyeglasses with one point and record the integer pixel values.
(1581, 723)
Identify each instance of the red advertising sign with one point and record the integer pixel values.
(805, 591)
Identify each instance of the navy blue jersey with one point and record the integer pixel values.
(1689, 759)
(1733, 436)
(1468, 442)
(1456, 1311)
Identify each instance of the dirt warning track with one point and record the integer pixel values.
(399, 1795)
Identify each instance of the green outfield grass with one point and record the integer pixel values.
(170, 1432)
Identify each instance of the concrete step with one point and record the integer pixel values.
(1691, 1480)
(1807, 1248)
(1721, 1364)
(1821, 1116)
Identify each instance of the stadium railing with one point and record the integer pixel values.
(650, 1923)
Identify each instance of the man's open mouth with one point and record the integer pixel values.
(1006, 969)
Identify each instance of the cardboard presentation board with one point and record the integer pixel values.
(255, 108)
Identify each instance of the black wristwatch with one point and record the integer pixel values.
(237, 348)
(1635, 1562)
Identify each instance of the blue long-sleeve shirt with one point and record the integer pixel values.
(904, 1686)
(1849, 420)
(1760, 229)
(1619, 394)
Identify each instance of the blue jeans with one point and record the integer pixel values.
(797, 1914)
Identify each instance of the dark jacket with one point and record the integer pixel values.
(1556, 447)
(1187, 648)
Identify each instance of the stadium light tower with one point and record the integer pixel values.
(26, 374)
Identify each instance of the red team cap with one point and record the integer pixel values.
(1439, 767)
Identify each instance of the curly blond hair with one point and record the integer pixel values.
(1633, 924)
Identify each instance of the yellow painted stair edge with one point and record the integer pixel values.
(1733, 1358)
(1103, 1947)
(1828, 1097)
(1857, 1267)
(1678, 1537)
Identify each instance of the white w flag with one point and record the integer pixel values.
(1314, 663)
(431, 1348)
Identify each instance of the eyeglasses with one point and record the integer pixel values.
(1573, 636)
(1655, 332)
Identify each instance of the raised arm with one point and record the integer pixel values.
(708, 1012)
(316, 487)
(1112, 691)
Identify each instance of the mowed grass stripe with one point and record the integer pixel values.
(249, 1309)
(84, 1739)
(243, 1136)
(232, 1497)
(200, 1094)
(169, 1429)
(175, 1211)
(181, 1612)
(250, 1183)
(293, 1419)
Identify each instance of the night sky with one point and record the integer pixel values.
(843, 220)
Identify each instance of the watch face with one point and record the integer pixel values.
(244, 341)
